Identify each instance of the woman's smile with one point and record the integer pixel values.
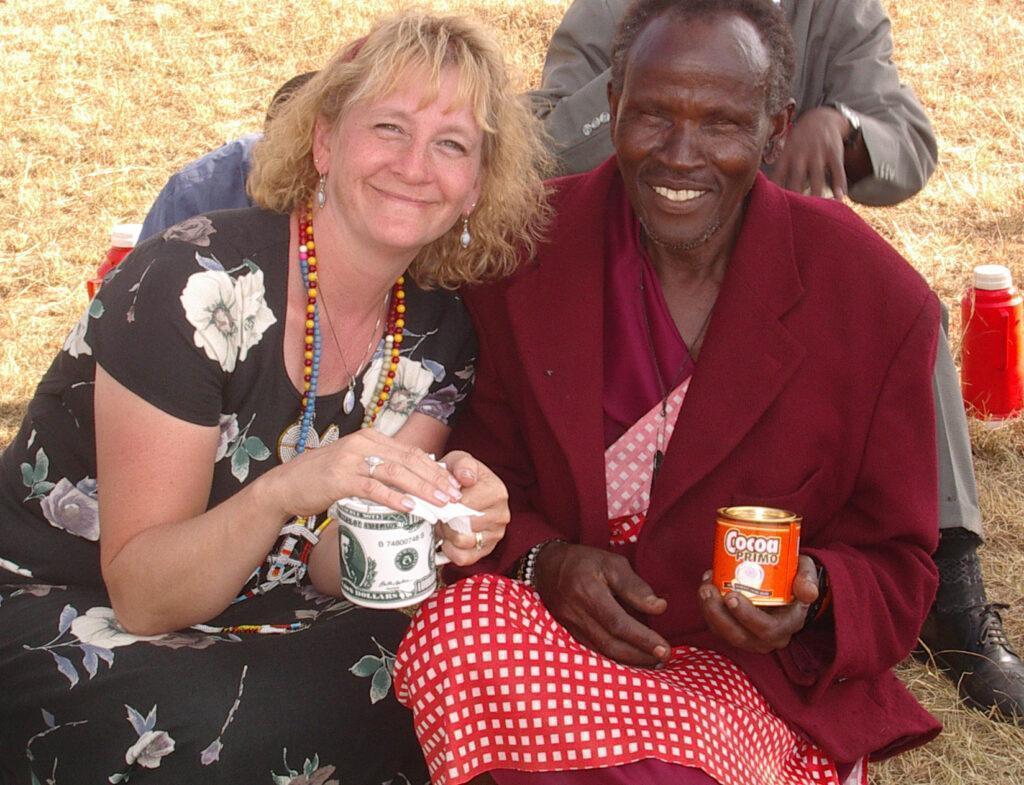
(402, 198)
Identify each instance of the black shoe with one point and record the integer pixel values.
(971, 647)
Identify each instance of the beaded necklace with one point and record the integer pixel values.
(307, 529)
(312, 343)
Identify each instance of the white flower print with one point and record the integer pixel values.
(98, 627)
(73, 508)
(149, 749)
(75, 344)
(256, 316)
(411, 383)
(228, 433)
(209, 302)
(152, 745)
(17, 570)
(229, 314)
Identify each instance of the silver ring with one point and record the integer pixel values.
(479, 540)
(373, 461)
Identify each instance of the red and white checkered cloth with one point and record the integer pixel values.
(494, 682)
(629, 466)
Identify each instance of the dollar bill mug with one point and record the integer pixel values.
(756, 553)
(389, 559)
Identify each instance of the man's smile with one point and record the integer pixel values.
(681, 195)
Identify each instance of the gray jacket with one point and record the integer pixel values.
(843, 55)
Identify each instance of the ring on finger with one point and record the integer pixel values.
(373, 461)
(478, 540)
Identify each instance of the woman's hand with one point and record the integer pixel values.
(366, 464)
(483, 491)
(762, 630)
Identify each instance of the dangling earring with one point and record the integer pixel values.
(321, 192)
(465, 238)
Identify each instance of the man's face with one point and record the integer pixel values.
(690, 127)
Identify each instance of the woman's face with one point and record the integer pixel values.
(400, 173)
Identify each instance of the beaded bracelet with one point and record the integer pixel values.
(525, 571)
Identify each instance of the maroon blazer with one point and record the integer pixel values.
(812, 393)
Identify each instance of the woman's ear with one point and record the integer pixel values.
(474, 194)
(322, 139)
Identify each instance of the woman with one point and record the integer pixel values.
(720, 342)
(246, 369)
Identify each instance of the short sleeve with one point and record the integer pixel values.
(177, 317)
(446, 397)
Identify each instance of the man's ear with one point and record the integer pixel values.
(613, 110)
(781, 122)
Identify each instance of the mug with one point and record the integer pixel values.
(389, 559)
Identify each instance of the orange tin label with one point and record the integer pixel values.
(756, 552)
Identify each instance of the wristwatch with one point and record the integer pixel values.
(853, 119)
(820, 606)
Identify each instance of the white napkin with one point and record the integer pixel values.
(456, 515)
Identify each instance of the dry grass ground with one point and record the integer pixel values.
(102, 99)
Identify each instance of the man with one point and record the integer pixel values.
(857, 132)
(689, 337)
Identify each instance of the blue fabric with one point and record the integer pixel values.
(214, 182)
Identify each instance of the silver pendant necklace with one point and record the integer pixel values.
(349, 401)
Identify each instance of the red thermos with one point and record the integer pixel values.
(992, 365)
(122, 240)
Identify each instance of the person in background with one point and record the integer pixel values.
(857, 132)
(217, 180)
(169, 574)
(690, 337)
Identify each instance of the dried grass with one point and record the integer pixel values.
(102, 99)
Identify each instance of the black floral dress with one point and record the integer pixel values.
(193, 322)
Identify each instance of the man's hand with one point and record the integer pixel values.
(760, 630)
(586, 590)
(813, 154)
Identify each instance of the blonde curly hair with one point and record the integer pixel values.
(512, 210)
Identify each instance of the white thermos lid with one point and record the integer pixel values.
(125, 235)
(992, 276)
